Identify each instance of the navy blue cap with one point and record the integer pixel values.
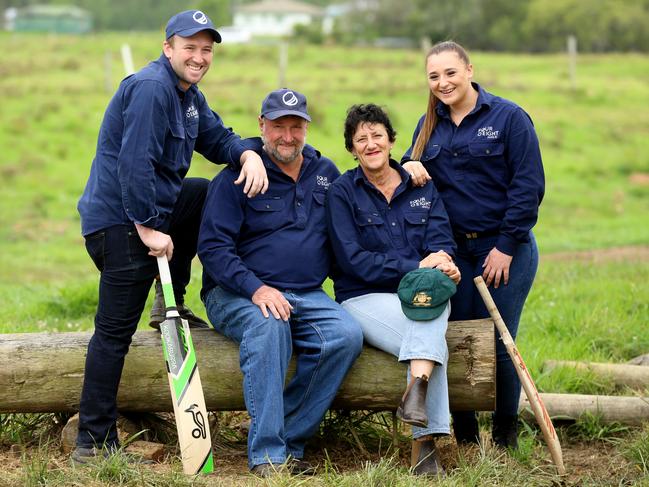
(282, 102)
(190, 22)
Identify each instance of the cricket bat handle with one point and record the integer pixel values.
(540, 412)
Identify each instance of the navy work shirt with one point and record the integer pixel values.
(488, 170)
(146, 140)
(278, 238)
(376, 243)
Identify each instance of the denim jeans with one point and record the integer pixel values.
(387, 328)
(467, 304)
(126, 274)
(325, 341)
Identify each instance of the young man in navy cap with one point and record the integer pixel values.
(138, 205)
(264, 261)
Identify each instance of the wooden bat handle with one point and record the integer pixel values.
(540, 412)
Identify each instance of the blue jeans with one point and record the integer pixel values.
(325, 340)
(387, 328)
(467, 304)
(127, 272)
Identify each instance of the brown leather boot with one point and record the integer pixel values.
(427, 462)
(158, 311)
(412, 409)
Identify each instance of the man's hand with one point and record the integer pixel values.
(270, 299)
(435, 259)
(159, 243)
(417, 172)
(495, 266)
(253, 173)
(451, 270)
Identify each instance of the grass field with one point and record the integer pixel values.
(594, 143)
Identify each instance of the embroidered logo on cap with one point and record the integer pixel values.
(289, 99)
(422, 299)
(200, 17)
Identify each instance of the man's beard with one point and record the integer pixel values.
(284, 159)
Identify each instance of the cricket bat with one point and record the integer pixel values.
(185, 384)
(540, 412)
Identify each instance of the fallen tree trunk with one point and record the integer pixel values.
(635, 376)
(632, 411)
(43, 372)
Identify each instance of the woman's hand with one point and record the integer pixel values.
(451, 270)
(417, 172)
(496, 266)
(435, 259)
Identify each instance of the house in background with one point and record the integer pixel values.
(275, 18)
(63, 19)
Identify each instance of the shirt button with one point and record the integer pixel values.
(267, 206)
(369, 220)
(487, 151)
(423, 220)
(299, 204)
(394, 224)
(454, 154)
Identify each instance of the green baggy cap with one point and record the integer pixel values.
(424, 293)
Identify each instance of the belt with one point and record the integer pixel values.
(474, 235)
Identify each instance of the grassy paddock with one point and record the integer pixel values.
(594, 146)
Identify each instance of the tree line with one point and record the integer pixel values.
(495, 25)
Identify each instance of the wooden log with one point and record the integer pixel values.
(632, 411)
(43, 372)
(635, 376)
(640, 360)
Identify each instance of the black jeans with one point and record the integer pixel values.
(127, 272)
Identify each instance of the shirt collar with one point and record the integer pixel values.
(173, 77)
(359, 175)
(484, 100)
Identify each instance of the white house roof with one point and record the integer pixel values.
(279, 7)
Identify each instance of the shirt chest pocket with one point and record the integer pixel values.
(372, 230)
(174, 150)
(415, 228)
(318, 208)
(431, 152)
(266, 213)
(487, 157)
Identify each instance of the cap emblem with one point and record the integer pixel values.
(200, 17)
(421, 299)
(289, 99)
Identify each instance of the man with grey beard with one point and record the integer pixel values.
(264, 261)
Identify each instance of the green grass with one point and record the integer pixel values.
(593, 140)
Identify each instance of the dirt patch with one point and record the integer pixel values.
(639, 178)
(637, 253)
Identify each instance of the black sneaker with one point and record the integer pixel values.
(85, 456)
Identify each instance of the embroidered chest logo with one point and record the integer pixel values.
(420, 203)
(488, 132)
(322, 181)
(422, 299)
(191, 112)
